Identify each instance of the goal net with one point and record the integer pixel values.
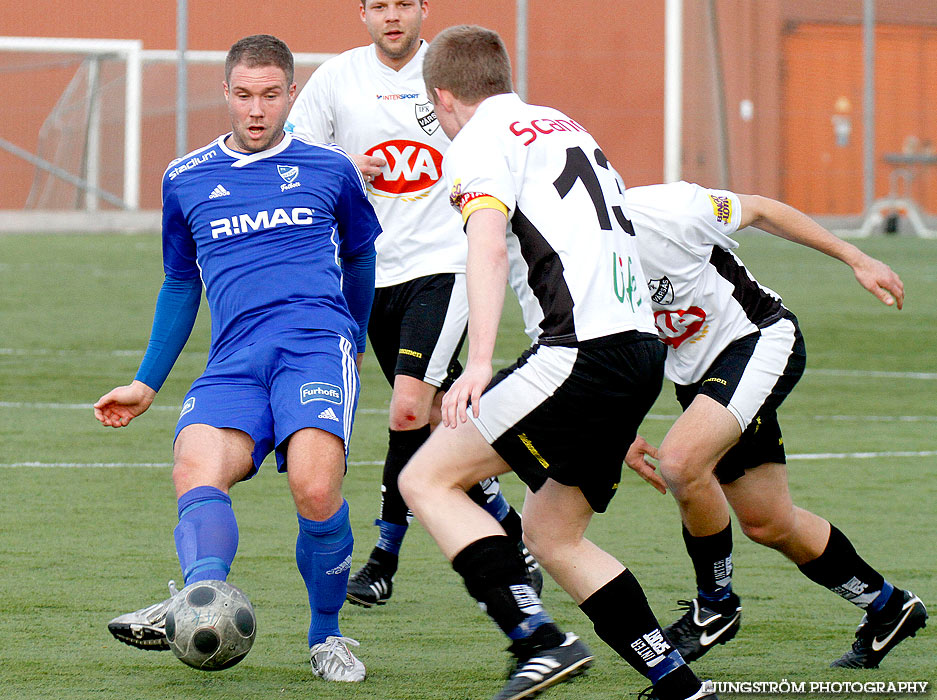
(108, 120)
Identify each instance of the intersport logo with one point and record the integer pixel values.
(411, 167)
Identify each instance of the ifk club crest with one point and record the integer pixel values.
(426, 117)
(289, 173)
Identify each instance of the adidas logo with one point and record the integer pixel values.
(219, 191)
(328, 414)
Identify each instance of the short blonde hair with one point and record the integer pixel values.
(468, 61)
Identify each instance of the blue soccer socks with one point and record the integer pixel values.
(207, 534)
(323, 555)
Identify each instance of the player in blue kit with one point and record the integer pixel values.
(281, 233)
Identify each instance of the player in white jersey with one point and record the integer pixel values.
(543, 207)
(281, 234)
(734, 353)
(372, 102)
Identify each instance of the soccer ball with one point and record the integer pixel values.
(210, 625)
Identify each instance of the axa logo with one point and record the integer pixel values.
(245, 223)
(426, 117)
(190, 163)
(320, 391)
(676, 327)
(289, 173)
(411, 167)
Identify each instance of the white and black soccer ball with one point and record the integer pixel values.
(210, 625)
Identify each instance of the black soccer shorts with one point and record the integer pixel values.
(417, 328)
(751, 378)
(570, 413)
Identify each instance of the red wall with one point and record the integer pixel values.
(600, 61)
(605, 70)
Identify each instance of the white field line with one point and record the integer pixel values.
(120, 465)
(87, 407)
(498, 362)
(165, 465)
(39, 405)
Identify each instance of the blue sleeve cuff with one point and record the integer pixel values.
(176, 309)
(358, 287)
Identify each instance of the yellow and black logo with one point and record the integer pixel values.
(722, 208)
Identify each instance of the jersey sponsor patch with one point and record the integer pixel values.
(676, 327)
(722, 208)
(411, 167)
(260, 221)
(467, 203)
(189, 164)
(320, 391)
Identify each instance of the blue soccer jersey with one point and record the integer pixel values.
(266, 232)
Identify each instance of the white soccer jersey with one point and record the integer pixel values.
(703, 296)
(573, 263)
(366, 107)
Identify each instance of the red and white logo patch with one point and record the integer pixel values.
(411, 167)
(676, 327)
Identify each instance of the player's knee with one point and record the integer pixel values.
(408, 413)
(682, 472)
(411, 484)
(543, 544)
(770, 533)
(186, 475)
(317, 501)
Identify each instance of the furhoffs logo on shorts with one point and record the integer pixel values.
(320, 391)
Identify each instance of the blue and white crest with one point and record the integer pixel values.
(288, 172)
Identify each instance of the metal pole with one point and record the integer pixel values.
(182, 85)
(520, 71)
(133, 109)
(868, 102)
(673, 90)
(719, 98)
(91, 171)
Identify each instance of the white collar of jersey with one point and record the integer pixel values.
(414, 65)
(242, 159)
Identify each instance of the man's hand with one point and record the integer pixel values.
(121, 405)
(880, 279)
(370, 166)
(636, 458)
(467, 388)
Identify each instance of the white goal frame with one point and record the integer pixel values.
(132, 53)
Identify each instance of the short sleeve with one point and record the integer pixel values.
(179, 254)
(478, 176)
(718, 212)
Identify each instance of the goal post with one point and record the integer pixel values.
(128, 50)
(114, 87)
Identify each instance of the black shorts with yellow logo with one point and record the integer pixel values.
(751, 378)
(417, 328)
(570, 413)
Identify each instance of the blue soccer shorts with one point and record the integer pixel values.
(276, 386)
